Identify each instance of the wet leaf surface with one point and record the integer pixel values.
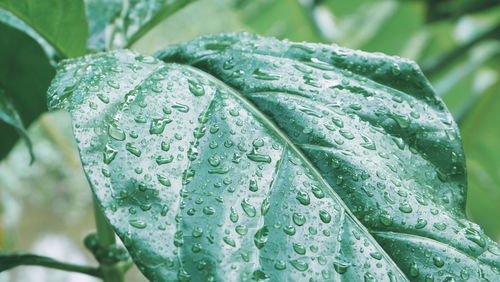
(249, 157)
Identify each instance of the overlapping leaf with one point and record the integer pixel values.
(121, 23)
(25, 74)
(62, 23)
(239, 165)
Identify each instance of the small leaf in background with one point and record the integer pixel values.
(120, 24)
(282, 19)
(62, 23)
(9, 116)
(242, 162)
(100, 15)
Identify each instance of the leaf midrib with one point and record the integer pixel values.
(267, 122)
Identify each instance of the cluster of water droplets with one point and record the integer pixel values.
(370, 124)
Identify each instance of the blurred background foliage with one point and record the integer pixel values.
(456, 43)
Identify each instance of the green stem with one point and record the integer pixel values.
(438, 64)
(106, 237)
(10, 261)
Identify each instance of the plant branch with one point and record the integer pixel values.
(437, 64)
(106, 238)
(14, 260)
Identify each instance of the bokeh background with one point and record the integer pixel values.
(46, 208)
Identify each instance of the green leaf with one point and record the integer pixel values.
(62, 23)
(9, 115)
(445, 9)
(25, 75)
(254, 154)
(100, 15)
(481, 138)
(121, 23)
(294, 24)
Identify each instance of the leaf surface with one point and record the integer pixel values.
(121, 23)
(10, 116)
(25, 75)
(62, 23)
(252, 156)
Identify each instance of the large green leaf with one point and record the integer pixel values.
(253, 154)
(62, 23)
(25, 75)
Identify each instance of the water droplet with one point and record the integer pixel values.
(318, 193)
(299, 249)
(376, 255)
(280, 265)
(233, 216)
(181, 107)
(405, 207)
(369, 277)
(325, 216)
(341, 267)
(208, 210)
(265, 75)
(196, 88)
(474, 236)
(115, 132)
(299, 265)
(260, 237)
(113, 84)
(385, 219)
(103, 98)
(241, 229)
(197, 232)
(158, 125)
(303, 198)
(133, 149)
(289, 230)
(228, 240)
(259, 158)
(368, 144)
(299, 219)
(248, 208)
(137, 223)
(438, 261)
(421, 223)
(439, 226)
(346, 134)
(160, 160)
(414, 271)
(402, 120)
(109, 154)
(338, 122)
(253, 185)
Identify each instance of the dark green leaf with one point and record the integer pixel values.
(9, 115)
(201, 169)
(62, 23)
(25, 74)
(445, 9)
